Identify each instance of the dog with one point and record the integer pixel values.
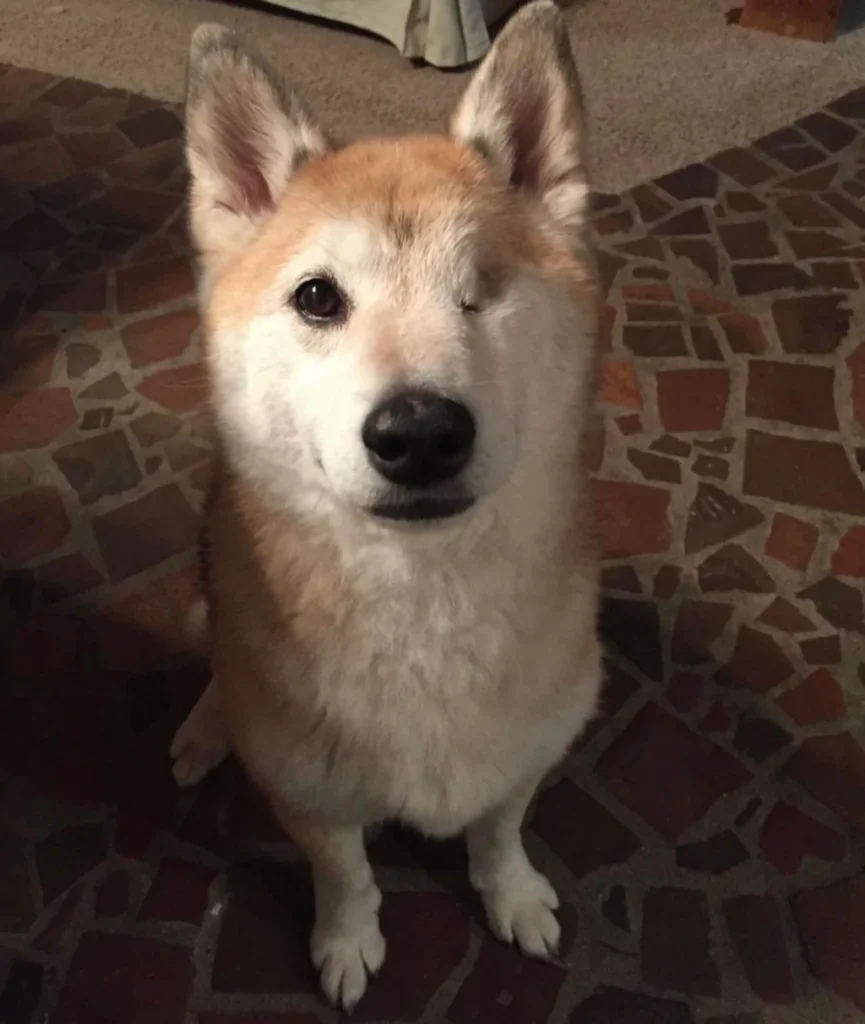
(400, 340)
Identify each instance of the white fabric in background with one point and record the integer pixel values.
(445, 33)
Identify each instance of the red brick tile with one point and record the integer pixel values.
(789, 836)
(113, 895)
(667, 774)
(505, 987)
(87, 294)
(818, 699)
(786, 617)
(629, 425)
(758, 663)
(685, 691)
(565, 813)
(743, 333)
(693, 400)
(794, 393)
(832, 768)
(160, 338)
(648, 292)
(619, 384)
(716, 516)
(821, 650)
(848, 558)
(35, 418)
(675, 942)
(792, 541)
(126, 978)
(31, 524)
(698, 625)
(633, 518)
(178, 893)
(831, 922)
(755, 926)
(180, 389)
(616, 1006)
(152, 284)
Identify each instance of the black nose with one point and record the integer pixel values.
(418, 438)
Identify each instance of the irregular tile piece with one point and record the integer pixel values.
(564, 813)
(789, 836)
(20, 989)
(153, 284)
(818, 699)
(757, 931)
(113, 895)
(669, 445)
(153, 427)
(178, 893)
(179, 389)
(758, 663)
(162, 523)
(815, 474)
(614, 907)
(714, 856)
(743, 333)
(126, 978)
(761, 278)
(750, 240)
(159, 338)
(655, 467)
(68, 855)
(66, 577)
(743, 166)
(665, 773)
(732, 568)
(693, 400)
(839, 603)
(629, 425)
(792, 541)
(667, 581)
(506, 988)
(705, 343)
(698, 625)
(99, 466)
(786, 617)
(822, 650)
(831, 921)
(653, 341)
(675, 951)
(17, 907)
(708, 465)
(685, 690)
(621, 577)
(812, 324)
(696, 181)
(716, 516)
(760, 738)
(110, 387)
(688, 222)
(33, 419)
(633, 628)
(632, 518)
(27, 363)
(796, 393)
(617, 1005)
(832, 768)
(848, 559)
(31, 524)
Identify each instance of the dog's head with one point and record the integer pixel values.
(396, 325)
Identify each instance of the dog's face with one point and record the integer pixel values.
(394, 326)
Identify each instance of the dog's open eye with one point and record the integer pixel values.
(320, 300)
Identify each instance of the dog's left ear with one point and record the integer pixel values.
(523, 112)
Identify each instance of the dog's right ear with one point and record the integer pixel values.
(246, 134)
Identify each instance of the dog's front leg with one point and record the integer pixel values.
(347, 945)
(519, 901)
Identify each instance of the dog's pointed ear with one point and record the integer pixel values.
(246, 134)
(523, 112)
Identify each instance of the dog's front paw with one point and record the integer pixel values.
(346, 959)
(202, 742)
(522, 910)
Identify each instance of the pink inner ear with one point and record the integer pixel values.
(240, 145)
(530, 113)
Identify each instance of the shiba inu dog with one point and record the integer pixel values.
(400, 340)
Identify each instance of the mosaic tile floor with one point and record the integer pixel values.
(706, 837)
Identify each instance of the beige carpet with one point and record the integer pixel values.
(667, 81)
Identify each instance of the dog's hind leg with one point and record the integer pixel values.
(519, 901)
(347, 945)
(203, 741)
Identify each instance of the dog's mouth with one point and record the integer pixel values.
(422, 510)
